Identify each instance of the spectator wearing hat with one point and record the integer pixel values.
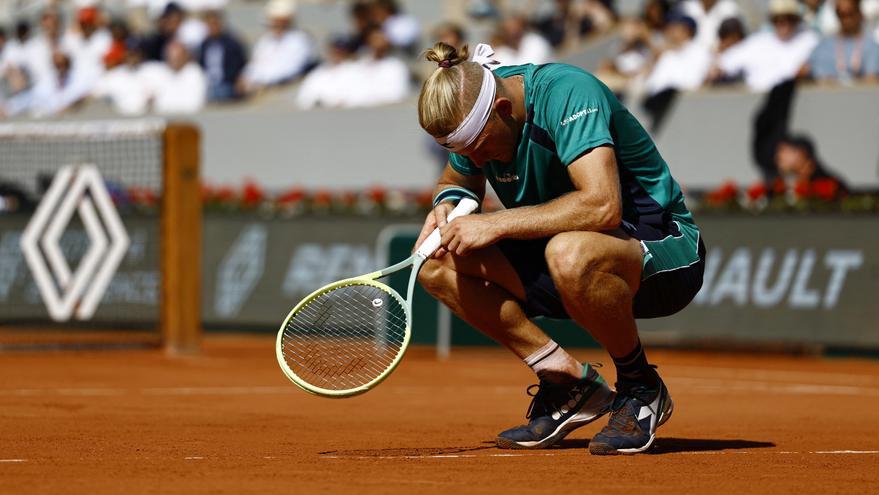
(849, 56)
(709, 14)
(282, 54)
(223, 58)
(769, 58)
(682, 66)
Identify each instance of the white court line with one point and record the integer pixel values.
(193, 458)
(13, 460)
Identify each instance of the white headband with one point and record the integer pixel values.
(475, 121)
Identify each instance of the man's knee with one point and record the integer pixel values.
(433, 274)
(571, 259)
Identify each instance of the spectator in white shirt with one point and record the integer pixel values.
(65, 89)
(331, 83)
(125, 86)
(179, 86)
(517, 44)
(401, 29)
(88, 44)
(281, 54)
(708, 15)
(39, 50)
(684, 63)
(768, 58)
(381, 78)
(681, 67)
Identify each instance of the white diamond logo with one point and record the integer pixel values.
(75, 189)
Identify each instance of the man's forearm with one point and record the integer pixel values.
(574, 211)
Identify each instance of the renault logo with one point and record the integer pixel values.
(75, 189)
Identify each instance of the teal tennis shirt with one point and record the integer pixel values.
(569, 112)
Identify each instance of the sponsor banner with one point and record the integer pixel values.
(774, 279)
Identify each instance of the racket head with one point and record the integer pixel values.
(344, 338)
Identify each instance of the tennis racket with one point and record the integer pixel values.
(346, 337)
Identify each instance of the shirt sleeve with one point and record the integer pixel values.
(578, 115)
(463, 165)
(871, 58)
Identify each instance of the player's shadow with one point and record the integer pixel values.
(665, 445)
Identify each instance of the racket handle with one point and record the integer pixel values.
(465, 207)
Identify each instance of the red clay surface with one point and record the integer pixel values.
(227, 421)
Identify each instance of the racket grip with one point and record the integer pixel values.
(465, 207)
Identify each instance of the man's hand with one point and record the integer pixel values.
(436, 218)
(469, 233)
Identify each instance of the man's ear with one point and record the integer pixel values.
(504, 107)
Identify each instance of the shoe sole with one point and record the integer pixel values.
(560, 433)
(605, 449)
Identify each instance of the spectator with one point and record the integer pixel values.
(179, 86)
(15, 49)
(167, 26)
(382, 78)
(126, 86)
(684, 63)
(120, 35)
(64, 89)
(850, 55)
(681, 67)
(281, 54)
(193, 29)
(331, 83)
(731, 32)
(768, 58)
(88, 44)
(820, 15)
(517, 44)
(223, 58)
(401, 30)
(40, 49)
(798, 163)
(709, 14)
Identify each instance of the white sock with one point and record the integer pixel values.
(553, 364)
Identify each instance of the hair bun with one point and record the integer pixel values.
(446, 55)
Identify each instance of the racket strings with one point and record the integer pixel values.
(346, 337)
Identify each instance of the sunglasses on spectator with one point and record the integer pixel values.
(788, 18)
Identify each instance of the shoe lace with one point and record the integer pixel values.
(539, 392)
(538, 398)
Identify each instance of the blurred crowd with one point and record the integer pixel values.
(186, 54)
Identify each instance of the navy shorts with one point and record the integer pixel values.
(674, 262)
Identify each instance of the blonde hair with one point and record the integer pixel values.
(450, 92)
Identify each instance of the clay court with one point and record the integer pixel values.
(227, 421)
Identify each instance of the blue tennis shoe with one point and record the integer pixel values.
(637, 412)
(556, 410)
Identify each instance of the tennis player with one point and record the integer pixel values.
(595, 229)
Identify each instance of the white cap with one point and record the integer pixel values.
(280, 9)
(784, 7)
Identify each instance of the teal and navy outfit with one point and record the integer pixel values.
(570, 112)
